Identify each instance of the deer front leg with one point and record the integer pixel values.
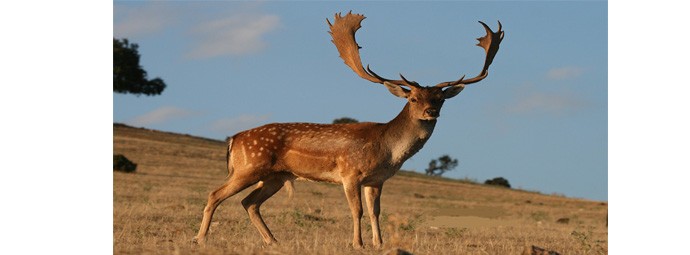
(373, 198)
(353, 195)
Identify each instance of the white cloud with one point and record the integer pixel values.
(563, 73)
(236, 35)
(160, 115)
(545, 103)
(230, 126)
(136, 21)
(229, 30)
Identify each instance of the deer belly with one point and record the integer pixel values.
(312, 167)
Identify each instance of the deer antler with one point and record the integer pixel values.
(490, 43)
(343, 32)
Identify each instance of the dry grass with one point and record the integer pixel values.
(157, 210)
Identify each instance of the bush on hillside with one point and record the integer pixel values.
(345, 120)
(122, 164)
(498, 181)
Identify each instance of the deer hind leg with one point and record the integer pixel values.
(289, 185)
(253, 201)
(234, 185)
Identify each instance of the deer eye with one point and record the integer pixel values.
(414, 99)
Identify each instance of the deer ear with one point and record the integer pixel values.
(453, 90)
(397, 90)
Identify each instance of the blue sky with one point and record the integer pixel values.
(539, 119)
(57, 101)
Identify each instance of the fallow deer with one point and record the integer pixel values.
(355, 155)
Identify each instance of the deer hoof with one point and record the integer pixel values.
(198, 241)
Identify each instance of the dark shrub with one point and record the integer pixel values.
(122, 164)
(345, 120)
(499, 181)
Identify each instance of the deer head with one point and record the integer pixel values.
(424, 102)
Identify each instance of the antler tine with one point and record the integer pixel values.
(402, 82)
(343, 31)
(450, 83)
(490, 42)
(409, 83)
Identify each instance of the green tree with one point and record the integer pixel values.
(440, 166)
(344, 120)
(128, 75)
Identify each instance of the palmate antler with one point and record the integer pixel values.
(490, 43)
(343, 32)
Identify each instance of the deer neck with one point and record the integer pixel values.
(405, 135)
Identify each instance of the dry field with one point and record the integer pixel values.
(157, 210)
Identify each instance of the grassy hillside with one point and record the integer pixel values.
(158, 210)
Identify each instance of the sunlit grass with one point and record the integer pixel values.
(158, 210)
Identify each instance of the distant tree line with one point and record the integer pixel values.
(438, 167)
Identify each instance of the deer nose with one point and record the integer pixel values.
(432, 112)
